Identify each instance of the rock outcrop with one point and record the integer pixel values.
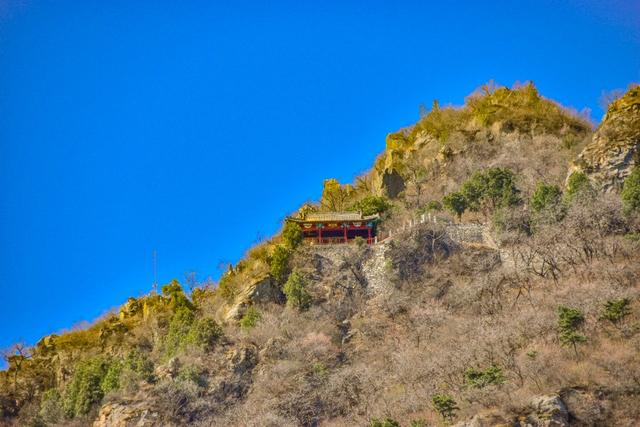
(392, 183)
(569, 407)
(126, 414)
(544, 411)
(484, 420)
(548, 411)
(386, 178)
(130, 309)
(262, 289)
(615, 147)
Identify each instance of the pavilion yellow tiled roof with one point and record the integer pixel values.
(334, 216)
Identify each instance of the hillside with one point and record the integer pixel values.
(503, 291)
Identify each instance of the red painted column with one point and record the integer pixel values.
(320, 233)
(368, 235)
(344, 227)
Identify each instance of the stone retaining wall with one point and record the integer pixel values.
(465, 234)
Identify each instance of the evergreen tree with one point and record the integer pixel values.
(545, 197)
(578, 185)
(569, 320)
(296, 291)
(292, 234)
(456, 203)
(445, 406)
(631, 191)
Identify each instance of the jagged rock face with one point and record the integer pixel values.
(392, 183)
(335, 275)
(265, 290)
(615, 147)
(261, 290)
(387, 180)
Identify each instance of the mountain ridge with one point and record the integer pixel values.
(422, 328)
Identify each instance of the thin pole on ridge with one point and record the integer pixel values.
(155, 272)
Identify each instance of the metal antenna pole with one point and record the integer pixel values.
(155, 273)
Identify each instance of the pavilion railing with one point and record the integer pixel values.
(336, 241)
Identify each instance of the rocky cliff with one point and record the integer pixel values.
(615, 147)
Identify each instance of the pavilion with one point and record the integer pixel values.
(337, 227)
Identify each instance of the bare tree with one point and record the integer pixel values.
(191, 280)
(609, 96)
(15, 356)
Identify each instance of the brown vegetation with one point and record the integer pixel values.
(419, 329)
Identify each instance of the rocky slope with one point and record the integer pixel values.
(615, 148)
(523, 313)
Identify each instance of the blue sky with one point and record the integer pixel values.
(193, 127)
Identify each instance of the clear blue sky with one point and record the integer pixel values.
(191, 127)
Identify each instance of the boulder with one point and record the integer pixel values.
(549, 411)
(586, 407)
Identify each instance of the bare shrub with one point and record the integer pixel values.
(408, 253)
